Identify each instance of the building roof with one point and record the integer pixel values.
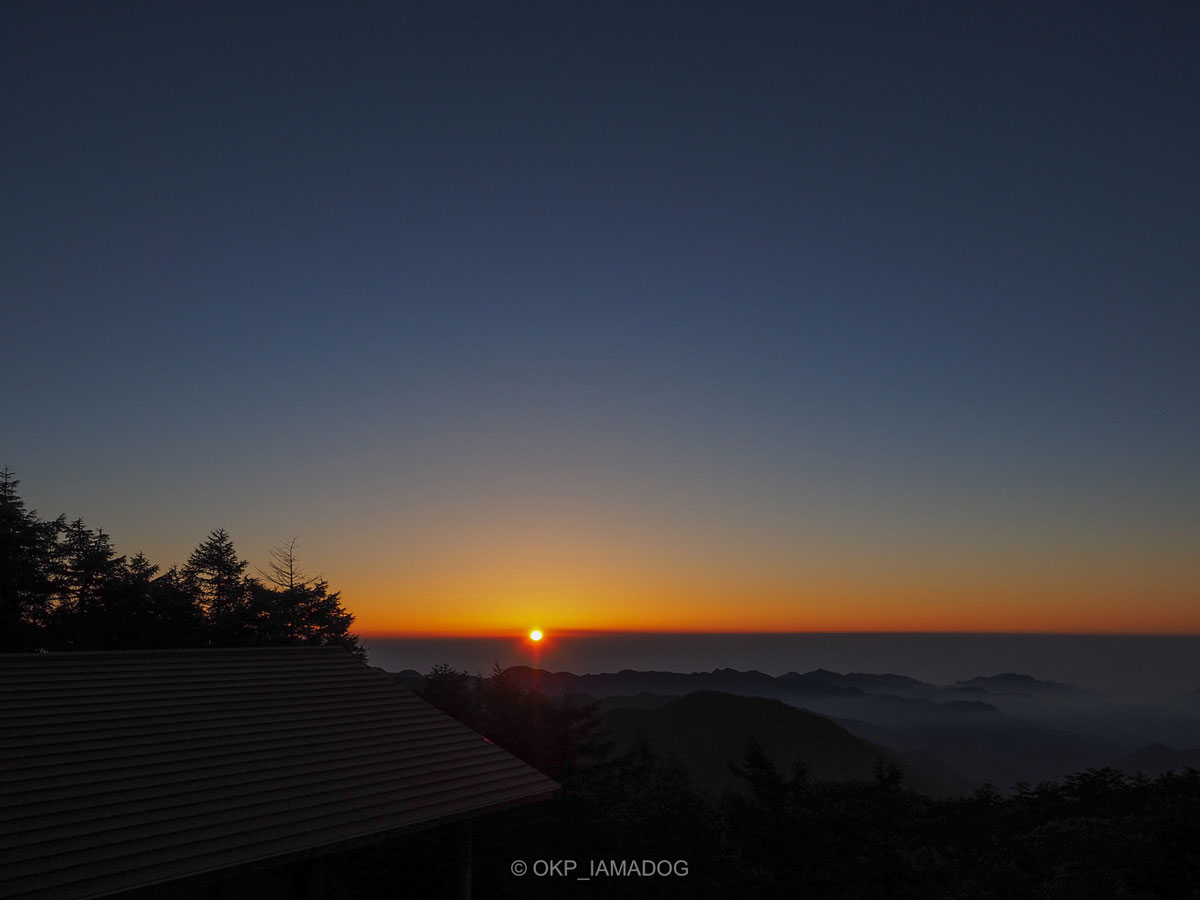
(125, 769)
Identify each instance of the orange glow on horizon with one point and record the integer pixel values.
(963, 598)
(1036, 613)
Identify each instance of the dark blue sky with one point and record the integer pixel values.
(525, 309)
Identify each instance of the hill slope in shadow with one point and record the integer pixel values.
(1157, 759)
(705, 730)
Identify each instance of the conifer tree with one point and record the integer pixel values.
(216, 578)
(28, 548)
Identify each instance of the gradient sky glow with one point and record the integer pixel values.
(647, 316)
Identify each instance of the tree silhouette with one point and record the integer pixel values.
(450, 691)
(299, 609)
(28, 551)
(63, 587)
(283, 570)
(216, 577)
(86, 567)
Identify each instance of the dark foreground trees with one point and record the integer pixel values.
(560, 736)
(1099, 834)
(63, 587)
(28, 565)
(1096, 834)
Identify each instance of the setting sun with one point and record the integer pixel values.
(535, 635)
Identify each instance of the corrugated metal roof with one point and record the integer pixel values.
(125, 769)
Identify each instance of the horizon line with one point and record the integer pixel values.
(522, 633)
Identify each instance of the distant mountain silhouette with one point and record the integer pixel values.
(1013, 683)
(1005, 728)
(827, 692)
(1157, 759)
(900, 685)
(961, 691)
(629, 682)
(958, 744)
(707, 729)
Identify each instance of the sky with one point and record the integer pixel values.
(635, 316)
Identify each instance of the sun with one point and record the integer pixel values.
(535, 635)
